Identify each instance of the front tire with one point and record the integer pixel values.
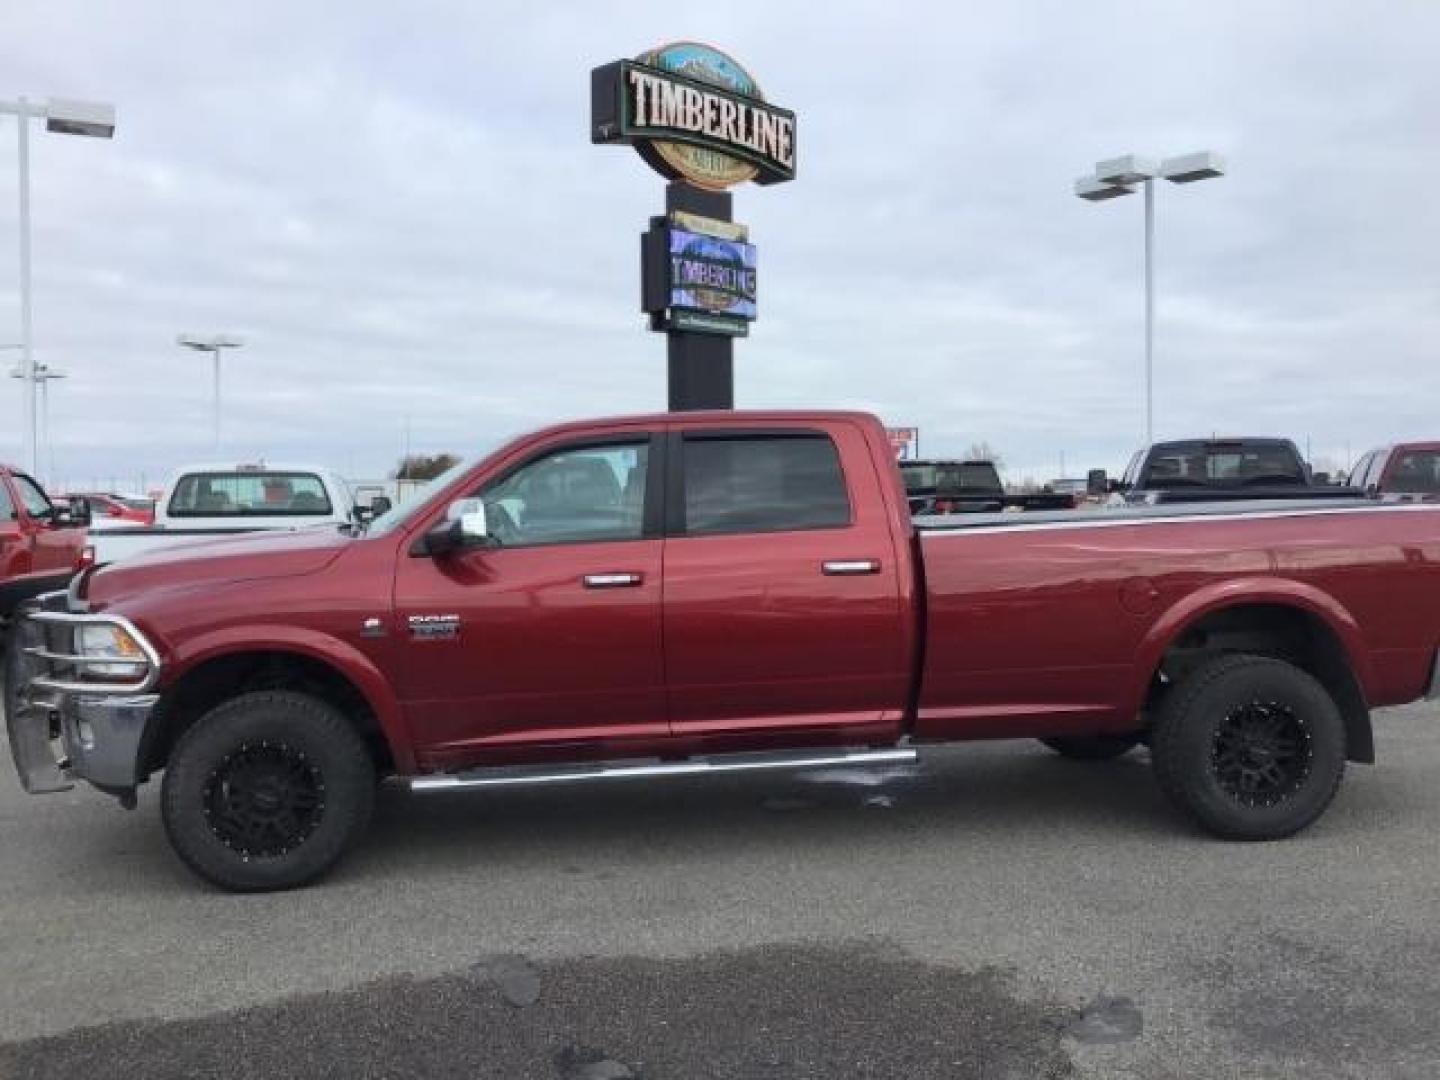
(267, 791)
(1249, 747)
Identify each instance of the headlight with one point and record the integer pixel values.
(109, 640)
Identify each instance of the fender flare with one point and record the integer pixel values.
(347, 660)
(1244, 592)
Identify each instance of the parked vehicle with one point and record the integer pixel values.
(207, 501)
(1076, 487)
(41, 546)
(1405, 472)
(687, 594)
(968, 487)
(1207, 470)
(107, 508)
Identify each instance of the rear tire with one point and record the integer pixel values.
(1092, 747)
(1249, 747)
(267, 791)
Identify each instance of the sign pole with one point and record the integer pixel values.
(698, 118)
(701, 366)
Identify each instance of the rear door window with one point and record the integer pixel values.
(249, 494)
(7, 504)
(762, 483)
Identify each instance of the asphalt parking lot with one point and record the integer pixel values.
(997, 913)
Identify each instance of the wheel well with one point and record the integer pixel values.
(1286, 633)
(228, 676)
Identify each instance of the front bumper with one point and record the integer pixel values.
(60, 727)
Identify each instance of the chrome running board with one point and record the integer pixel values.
(508, 776)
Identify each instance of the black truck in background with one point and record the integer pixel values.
(968, 487)
(1211, 470)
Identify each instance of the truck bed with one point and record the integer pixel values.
(1054, 623)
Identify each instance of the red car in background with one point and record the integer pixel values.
(42, 545)
(110, 509)
(1405, 472)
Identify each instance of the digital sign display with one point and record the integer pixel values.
(712, 275)
(698, 275)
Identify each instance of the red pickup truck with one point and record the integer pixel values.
(1404, 472)
(695, 593)
(41, 545)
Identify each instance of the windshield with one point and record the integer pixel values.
(1222, 465)
(950, 476)
(398, 516)
(249, 494)
(33, 497)
(1416, 471)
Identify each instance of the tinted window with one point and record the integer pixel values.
(1415, 471)
(249, 494)
(36, 503)
(763, 484)
(1185, 464)
(576, 495)
(950, 476)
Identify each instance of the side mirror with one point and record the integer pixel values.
(1096, 482)
(380, 504)
(463, 527)
(75, 515)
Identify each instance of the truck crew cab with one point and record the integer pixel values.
(684, 594)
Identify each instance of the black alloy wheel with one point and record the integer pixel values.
(264, 799)
(1249, 747)
(1261, 753)
(267, 791)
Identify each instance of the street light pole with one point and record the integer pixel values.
(1117, 177)
(27, 354)
(215, 356)
(212, 345)
(1149, 311)
(45, 375)
(70, 118)
(41, 376)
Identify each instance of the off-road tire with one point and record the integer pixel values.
(1201, 772)
(1092, 747)
(236, 832)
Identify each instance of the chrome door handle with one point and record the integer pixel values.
(847, 567)
(613, 581)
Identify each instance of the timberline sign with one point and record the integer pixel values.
(694, 114)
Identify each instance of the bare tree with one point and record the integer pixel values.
(983, 451)
(424, 466)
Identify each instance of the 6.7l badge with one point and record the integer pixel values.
(433, 627)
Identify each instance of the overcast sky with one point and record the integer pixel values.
(398, 206)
